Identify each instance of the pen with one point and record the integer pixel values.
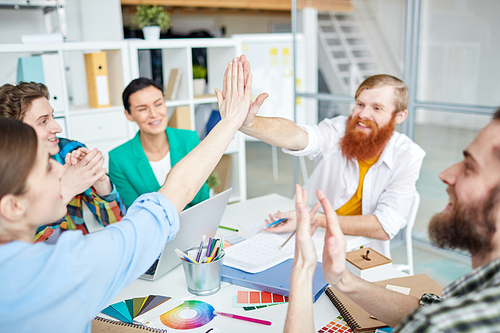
(252, 320)
(288, 239)
(227, 228)
(200, 249)
(185, 256)
(276, 223)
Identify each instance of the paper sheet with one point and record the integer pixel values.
(262, 251)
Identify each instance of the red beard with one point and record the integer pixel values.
(361, 146)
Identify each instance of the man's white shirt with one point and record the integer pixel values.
(388, 187)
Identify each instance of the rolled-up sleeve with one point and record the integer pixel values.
(322, 138)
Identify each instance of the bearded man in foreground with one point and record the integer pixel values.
(470, 221)
(364, 167)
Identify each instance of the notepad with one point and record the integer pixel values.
(262, 251)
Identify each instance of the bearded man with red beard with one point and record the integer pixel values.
(365, 168)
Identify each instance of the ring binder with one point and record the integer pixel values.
(100, 324)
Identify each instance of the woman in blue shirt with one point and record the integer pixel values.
(60, 287)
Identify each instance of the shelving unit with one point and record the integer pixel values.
(110, 128)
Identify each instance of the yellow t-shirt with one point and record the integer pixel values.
(353, 206)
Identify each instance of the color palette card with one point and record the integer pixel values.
(338, 325)
(140, 309)
(248, 298)
(248, 307)
(189, 315)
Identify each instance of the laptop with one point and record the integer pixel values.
(201, 219)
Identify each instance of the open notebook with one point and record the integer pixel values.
(359, 320)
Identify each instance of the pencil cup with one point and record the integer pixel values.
(202, 279)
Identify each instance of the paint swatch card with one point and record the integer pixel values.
(141, 309)
(259, 297)
(338, 325)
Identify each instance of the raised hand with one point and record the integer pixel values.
(80, 176)
(236, 100)
(255, 105)
(335, 245)
(305, 252)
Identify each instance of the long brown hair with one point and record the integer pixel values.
(15, 101)
(18, 147)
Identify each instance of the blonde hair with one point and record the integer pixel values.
(15, 101)
(382, 80)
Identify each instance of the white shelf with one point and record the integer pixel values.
(87, 110)
(204, 100)
(177, 103)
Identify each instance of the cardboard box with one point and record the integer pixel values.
(369, 269)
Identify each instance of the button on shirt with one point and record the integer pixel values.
(389, 185)
(470, 304)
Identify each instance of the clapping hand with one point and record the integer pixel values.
(83, 170)
(335, 244)
(305, 251)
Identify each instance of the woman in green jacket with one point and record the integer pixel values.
(140, 165)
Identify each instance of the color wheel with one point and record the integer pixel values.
(191, 314)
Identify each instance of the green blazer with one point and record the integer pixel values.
(130, 171)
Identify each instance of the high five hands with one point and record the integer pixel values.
(236, 98)
(240, 63)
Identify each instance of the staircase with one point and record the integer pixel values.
(344, 56)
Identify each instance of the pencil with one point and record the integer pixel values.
(227, 228)
(288, 239)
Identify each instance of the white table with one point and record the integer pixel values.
(174, 283)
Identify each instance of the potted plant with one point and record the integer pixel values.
(199, 79)
(151, 19)
(213, 182)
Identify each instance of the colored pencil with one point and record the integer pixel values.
(209, 246)
(227, 228)
(185, 256)
(214, 251)
(200, 249)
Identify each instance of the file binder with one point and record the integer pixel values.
(97, 79)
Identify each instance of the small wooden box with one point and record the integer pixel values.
(367, 269)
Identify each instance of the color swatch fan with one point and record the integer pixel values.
(141, 309)
(191, 314)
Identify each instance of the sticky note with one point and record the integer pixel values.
(401, 290)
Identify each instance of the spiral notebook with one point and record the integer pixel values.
(359, 320)
(102, 325)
